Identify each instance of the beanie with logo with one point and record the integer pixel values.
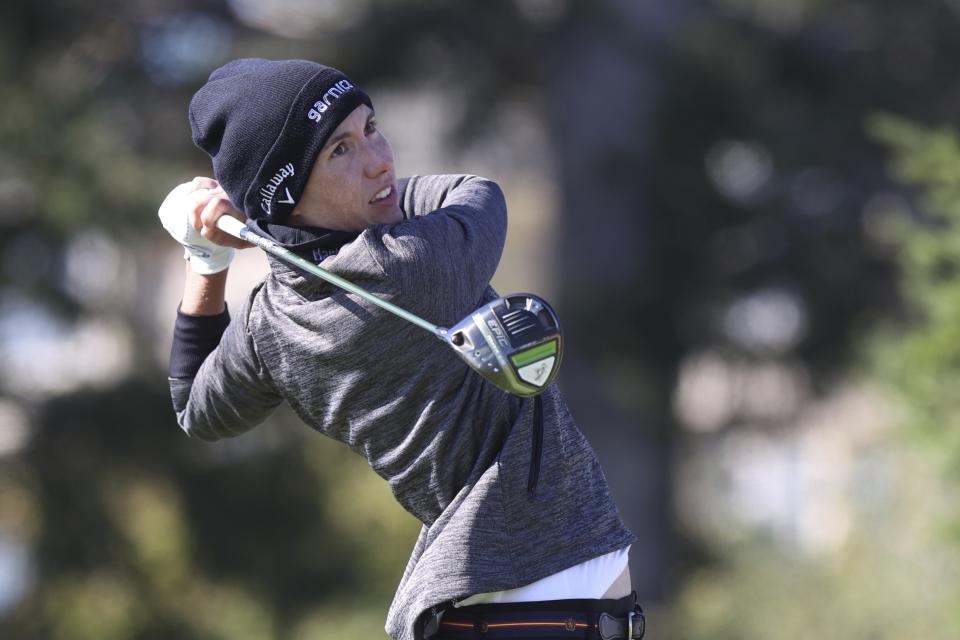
(263, 122)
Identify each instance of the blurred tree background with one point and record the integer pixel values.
(758, 195)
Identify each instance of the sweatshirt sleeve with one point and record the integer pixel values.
(225, 391)
(445, 253)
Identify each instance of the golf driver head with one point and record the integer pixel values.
(513, 341)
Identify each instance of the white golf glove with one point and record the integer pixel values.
(175, 213)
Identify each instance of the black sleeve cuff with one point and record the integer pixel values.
(194, 338)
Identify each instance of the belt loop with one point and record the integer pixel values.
(637, 611)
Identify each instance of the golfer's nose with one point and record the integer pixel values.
(379, 160)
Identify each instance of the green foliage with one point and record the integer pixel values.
(140, 532)
(920, 358)
(904, 556)
(800, 90)
(893, 578)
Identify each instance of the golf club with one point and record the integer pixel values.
(514, 341)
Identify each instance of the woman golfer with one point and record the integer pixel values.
(520, 537)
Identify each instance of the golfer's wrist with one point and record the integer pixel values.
(207, 260)
(204, 294)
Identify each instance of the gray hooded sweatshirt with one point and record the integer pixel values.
(499, 509)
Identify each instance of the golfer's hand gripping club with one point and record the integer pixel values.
(514, 341)
(205, 257)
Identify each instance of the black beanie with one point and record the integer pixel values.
(263, 122)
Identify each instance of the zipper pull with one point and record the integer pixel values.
(536, 447)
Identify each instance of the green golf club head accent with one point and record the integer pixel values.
(514, 342)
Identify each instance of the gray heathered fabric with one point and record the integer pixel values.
(455, 450)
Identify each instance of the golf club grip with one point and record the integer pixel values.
(231, 225)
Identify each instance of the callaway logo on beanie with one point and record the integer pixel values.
(263, 122)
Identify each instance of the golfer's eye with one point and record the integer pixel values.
(371, 126)
(338, 150)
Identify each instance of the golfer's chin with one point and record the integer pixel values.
(384, 214)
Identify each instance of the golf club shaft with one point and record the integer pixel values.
(239, 230)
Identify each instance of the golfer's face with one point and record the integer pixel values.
(352, 184)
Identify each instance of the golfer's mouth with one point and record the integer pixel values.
(385, 195)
